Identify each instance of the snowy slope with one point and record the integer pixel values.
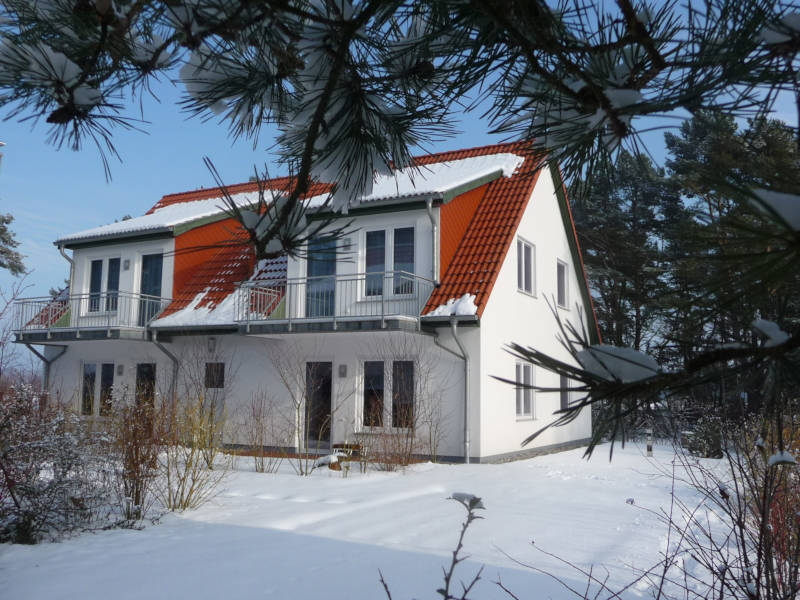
(282, 536)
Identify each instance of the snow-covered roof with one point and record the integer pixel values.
(161, 220)
(439, 178)
(443, 177)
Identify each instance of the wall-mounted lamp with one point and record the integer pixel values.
(126, 264)
(120, 369)
(342, 370)
(212, 345)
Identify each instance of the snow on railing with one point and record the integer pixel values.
(107, 310)
(334, 297)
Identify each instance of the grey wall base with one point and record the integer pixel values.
(520, 454)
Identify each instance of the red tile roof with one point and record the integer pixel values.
(477, 260)
(474, 266)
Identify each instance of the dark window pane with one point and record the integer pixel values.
(89, 379)
(215, 375)
(375, 262)
(404, 259)
(403, 393)
(518, 379)
(373, 393)
(106, 387)
(95, 283)
(528, 269)
(321, 270)
(562, 284)
(527, 372)
(520, 265)
(112, 284)
(146, 383)
(564, 385)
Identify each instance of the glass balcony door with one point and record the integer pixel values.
(321, 290)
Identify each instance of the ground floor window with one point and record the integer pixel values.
(102, 389)
(380, 376)
(524, 379)
(146, 383)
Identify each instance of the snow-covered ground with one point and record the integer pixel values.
(324, 536)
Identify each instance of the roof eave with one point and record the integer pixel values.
(111, 237)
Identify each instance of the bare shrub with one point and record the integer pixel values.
(262, 431)
(192, 463)
(54, 472)
(303, 377)
(136, 441)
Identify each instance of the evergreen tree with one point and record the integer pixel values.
(9, 258)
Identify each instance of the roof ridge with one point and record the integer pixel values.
(285, 180)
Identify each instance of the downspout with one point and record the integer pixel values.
(71, 266)
(465, 357)
(173, 388)
(47, 363)
(434, 240)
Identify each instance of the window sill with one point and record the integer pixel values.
(523, 418)
(526, 293)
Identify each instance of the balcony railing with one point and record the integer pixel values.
(108, 310)
(360, 296)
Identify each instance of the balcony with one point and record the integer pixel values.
(392, 299)
(73, 316)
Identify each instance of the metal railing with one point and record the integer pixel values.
(107, 310)
(334, 297)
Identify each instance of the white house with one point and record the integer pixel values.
(405, 316)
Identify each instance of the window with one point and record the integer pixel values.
(112, 284)
(526, 271)
(402, 388)
(146, 383)
(106, 389)
(561, 274)
(403, 393)
(524, 379)
(375, 262)
(564, 393)
(87, 397)
(373, 393)
(95, 285)
(378, 260)
(403, 259)
(96, 280)
(90, 391)
(215, 375)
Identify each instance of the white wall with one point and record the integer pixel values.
(129, 280)
(249, 370)
(513, 316)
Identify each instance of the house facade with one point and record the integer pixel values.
(395, 328)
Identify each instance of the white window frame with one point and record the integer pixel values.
(388, 382)
(388, 258)
(521, 244)
(519, 392)
(565, 264)
(103, 294)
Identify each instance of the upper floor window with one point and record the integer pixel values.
(524, 379)
(389, 250)
(562, 286)
(98, 275)
(526, 268)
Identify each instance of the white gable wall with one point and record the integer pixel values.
(133, 251)
(514, 316)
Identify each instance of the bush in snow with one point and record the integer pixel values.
(55, 475)
(191, 463)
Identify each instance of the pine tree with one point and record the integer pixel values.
(9, 258)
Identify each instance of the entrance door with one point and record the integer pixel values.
(319, 378)
(321, 289)
(150, 287)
